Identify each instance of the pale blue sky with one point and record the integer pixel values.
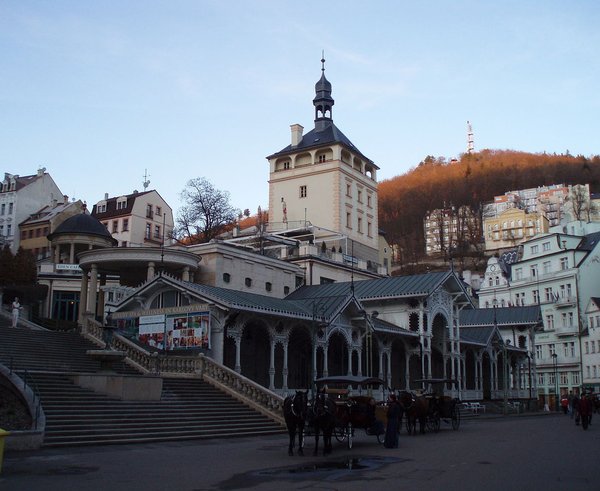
(99, 91)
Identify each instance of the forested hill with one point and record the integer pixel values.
(472, 180)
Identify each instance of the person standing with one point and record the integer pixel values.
(393, 422)
(16, 309)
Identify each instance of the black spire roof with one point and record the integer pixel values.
(325, 131)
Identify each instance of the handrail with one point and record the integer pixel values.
(220, 376)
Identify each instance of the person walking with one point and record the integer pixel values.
(393, 422)
(16, 309)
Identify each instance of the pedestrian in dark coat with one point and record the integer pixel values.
(393, 422)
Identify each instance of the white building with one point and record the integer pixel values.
(137, 219)
(20, 196)
(591, 345)
(558, 272)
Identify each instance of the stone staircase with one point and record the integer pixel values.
(189, 408)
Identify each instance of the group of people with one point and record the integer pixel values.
(580, 408)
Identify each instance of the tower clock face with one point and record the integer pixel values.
(493, 268)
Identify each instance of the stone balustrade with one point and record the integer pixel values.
(226, 379)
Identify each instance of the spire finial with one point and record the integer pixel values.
(322, 60)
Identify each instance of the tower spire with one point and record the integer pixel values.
(323, 101)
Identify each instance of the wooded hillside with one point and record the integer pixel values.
(472, 180)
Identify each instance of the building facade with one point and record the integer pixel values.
(20, 196)
(558, 272)
(451, 229)
(35, 229)
(512, 227)
(139, 219)
(322, 178)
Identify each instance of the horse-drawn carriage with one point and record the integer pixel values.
(340, 405)
(432, 407)
(355, 406)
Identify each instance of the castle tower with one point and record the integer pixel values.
(322, 179)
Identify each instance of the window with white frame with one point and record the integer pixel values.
(541, 378)
(533, 270)
(575, 378)
(538, 352)
(564, 263)
(586, 347)
(546, 246)
(564, 378)
(519, 274)
(534, 249)
(550, 321)
(552, 349)
(547, 267)
(551, 379)
(549, 296)
(536, 296)
(303, 191)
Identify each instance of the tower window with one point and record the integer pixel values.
(226, 277)
(248, 282)
(303, 191)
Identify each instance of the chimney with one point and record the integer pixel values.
(105, 196)
(40, 171)
(296, 134)
(65, 199)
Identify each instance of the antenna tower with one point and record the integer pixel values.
(146, 180)
(470, 144)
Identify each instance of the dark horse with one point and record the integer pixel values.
(416, 409)
(294, 412)
(323, 420)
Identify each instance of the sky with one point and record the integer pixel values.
(102, 93)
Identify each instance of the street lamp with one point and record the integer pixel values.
(555, 363)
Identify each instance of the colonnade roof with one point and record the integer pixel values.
(502, 316)
(419, 285)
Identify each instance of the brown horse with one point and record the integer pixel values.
(294, 412)
(416, 409)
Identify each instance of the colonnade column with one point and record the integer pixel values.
(388, 378)
(359, 363)
(185, 276)
(91, 307)
(325, 361)
(83, 295)
(238, 365)
(407, 371)
(349, 369)
(150, 271)
(272, 366)
(72, 253)
(285, 366)
(57, 254)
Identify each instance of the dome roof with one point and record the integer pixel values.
(82, 224)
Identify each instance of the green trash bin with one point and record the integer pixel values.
(3, 435)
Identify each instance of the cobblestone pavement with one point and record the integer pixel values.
(517, 453)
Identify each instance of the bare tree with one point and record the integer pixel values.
(206, 212)
(579, 198)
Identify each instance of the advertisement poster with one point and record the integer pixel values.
(152, 331)
(186, 331)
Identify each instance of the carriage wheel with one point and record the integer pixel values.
(350, 435)
(381, 437)
(455, 417)
(433, 422)
(340, 432)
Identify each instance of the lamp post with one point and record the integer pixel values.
(555, 363)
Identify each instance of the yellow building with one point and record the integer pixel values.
(512, 227)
